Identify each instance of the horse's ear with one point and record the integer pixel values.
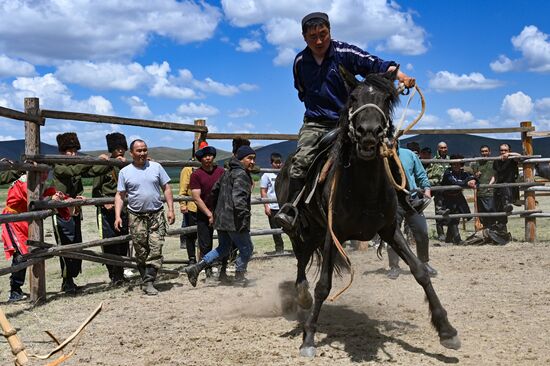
(392, 75)
(349, 78)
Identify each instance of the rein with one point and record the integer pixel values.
(352, 133)
(334, 238)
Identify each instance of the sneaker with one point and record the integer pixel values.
(17, 296)
(128, 272)
(393, 273)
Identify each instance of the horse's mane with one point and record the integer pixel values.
(384, 88)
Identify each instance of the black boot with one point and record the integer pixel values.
(193, 272)
(222, 277)
(287, 215)
(149, 279)
(240, 279)
(141, 270)
(68, 286)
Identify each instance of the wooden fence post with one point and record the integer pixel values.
(198, 135)
(529, 176)
(37, 277)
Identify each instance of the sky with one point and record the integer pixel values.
(480, 64)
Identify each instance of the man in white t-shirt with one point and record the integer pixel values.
(267, 190)
(142, 182)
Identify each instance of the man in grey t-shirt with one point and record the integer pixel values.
(142, 182)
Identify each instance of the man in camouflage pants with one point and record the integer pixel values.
(142, 182)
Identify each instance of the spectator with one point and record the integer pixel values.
(67, 180)
(267, 190)
(483, 171)
(9, 176)
(435, 174)
(189, 212)
(231, 198)
(454, 200)
(106, 186)
(414, 147)
(505, 171)
(415, 220)
(201, 182)
(141, 182)
(15, 234)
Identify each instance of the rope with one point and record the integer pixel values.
(334, 238)
(387, 153)
(411, 125)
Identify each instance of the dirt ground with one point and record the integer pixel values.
(497, 297)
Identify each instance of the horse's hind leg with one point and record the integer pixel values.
(448, 336)
(322, 290)
(303, 255)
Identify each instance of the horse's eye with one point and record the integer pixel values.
(379, 131)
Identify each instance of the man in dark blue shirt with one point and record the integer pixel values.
(323, 92)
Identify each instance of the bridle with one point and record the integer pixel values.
(352, 133)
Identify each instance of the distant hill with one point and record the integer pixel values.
(15, 148)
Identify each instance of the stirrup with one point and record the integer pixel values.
(281, 216)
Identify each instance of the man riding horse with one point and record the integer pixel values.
(323, 91)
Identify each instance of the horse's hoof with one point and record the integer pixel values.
(307, 352)
(452, 343)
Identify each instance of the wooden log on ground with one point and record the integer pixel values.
(17, 347)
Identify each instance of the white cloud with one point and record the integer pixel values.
(54, 94)
(249, 45)
(10, 67)
(517, 105)
(99, 30)
(7, 138)
(138, 107)
(376, 22)
(535, 49)
(212, 86)
(240, 113)
(503, 64)
(448, 81)
(460, 116)
(104, 75)
(197, 110)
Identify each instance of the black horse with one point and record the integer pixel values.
(356, 201)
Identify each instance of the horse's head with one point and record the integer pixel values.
(368, 114)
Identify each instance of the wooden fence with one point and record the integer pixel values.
(34, 117)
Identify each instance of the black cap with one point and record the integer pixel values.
(316, 15)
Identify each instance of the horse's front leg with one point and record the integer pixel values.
(448, 336)
(322, 290)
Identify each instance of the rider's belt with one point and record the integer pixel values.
(321, 120)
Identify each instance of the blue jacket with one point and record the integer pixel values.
(415, 172)
(321, 88)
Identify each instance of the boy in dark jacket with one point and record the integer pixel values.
(231, 199)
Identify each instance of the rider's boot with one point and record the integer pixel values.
(287, 215)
